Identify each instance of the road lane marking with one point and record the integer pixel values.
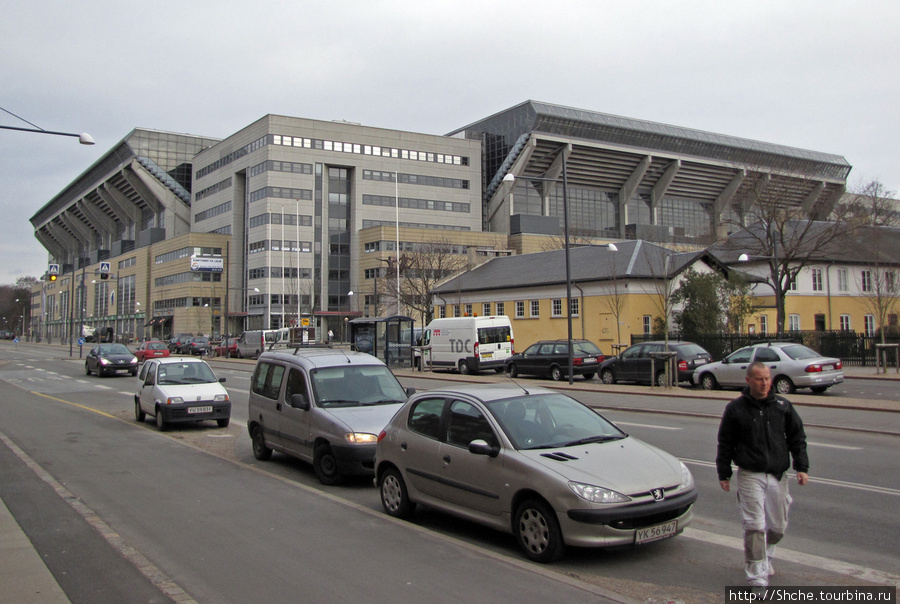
(116, 541)
(827, 564)
(646, 426)
(85, 407)
(818, 480)
(844, 447)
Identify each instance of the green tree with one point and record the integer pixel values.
(703, 300)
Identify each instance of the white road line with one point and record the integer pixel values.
(646, 426)
(817, 480)
(827, 564)
(844, 447)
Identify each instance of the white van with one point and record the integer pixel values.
(253, 343)
(468, 344)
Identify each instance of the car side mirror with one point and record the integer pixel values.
(221, 380)
(481, 447)
(299, 401)
(410, 391)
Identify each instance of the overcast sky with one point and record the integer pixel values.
(815, 74)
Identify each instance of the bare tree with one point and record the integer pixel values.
(421, 269)
(774, 227)
(615, 301)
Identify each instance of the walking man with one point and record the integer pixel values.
(760, 432)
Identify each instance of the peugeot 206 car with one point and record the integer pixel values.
(181, 389)
(537, 464)
(792, 366)
(110, 359)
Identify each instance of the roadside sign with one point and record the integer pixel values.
(81, 341)
(104, 267)
(53, 269)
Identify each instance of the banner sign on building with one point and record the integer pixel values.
(207, 264)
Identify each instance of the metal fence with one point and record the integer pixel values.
(852, 348)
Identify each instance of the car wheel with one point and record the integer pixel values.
(588, 376)
(783, 385)
(537, 531)
(139, 414)
(607, 376)
(260, 450)
(325, 465)
(394, 496)
(819, 389)
(464, 368)
(556, 374)
(223, 423)
(161, 424)
(661, 380)
(708, 381)
(513, 370)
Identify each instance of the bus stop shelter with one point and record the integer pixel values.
(390, 339)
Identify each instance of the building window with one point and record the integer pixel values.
(442, 312)
(556, 308)
(468, 310)
(866, 281)
(573, 307)
(763, 324)
(535, 309)
(648, 324)
(845, 322)
(843, 280)
(456, 310)
(501, 309)
(520, 309)
(870, 325)
(793, 322)
(817, 280)
(486, 309)
(793, 284)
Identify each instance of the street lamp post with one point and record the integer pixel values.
(510, 178)
(775, 274)
(84, 138)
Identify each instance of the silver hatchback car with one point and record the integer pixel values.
(537, 464)
(792, 366)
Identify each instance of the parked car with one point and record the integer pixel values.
(151, 349)
(323, 406)
(537, 464)
(178, 341)
(792, 366)
(198, 345)
(550, 358)
(636, 362)
(226, 348)
(179, 389)
(110, 359)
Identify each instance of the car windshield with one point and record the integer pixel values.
(156, 346)
(690, 350)
(551, 421)
(113, 349)
(356, 386)
(588, 349)
(185, 373)
(799, 352)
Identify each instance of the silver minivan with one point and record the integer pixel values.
(322, 405)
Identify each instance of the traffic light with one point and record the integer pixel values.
(53, 277)
(104, 275)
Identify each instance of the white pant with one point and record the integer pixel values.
(764, 502)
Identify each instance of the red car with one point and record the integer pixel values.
(226, 348)
(151, 349)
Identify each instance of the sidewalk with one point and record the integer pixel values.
(24, 577)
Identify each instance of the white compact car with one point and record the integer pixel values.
(180, 389)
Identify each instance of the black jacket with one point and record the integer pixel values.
(761, 436)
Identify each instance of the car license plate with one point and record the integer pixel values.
(487, 355)
(655, 533)
(207, 409)
(589, 361)
(827, 367)
(122, 370)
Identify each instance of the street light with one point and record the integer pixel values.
(84, 138)
(511, 178)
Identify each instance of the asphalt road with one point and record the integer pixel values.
(192, 514)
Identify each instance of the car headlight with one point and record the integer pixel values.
(596, 494)
(221, 398)
(687, 479)
(360, 438)
(174, 400)
(104, 361)
(134, 360)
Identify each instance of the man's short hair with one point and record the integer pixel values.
(755, 365)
